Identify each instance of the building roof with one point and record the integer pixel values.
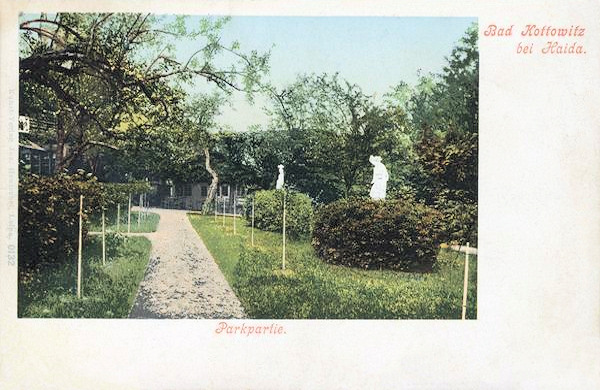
(32, 145)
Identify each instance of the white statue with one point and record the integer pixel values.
(279, 185)
(380, 178)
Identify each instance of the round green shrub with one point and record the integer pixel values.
(268, 209)
(393, 234)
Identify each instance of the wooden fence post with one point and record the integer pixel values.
(79, 249)
(141, 209)
(145, 206)
(224, 212)
(118, 217)
(129, 215)
(216, 206)
(252, 230)
(466, 283)
(283, 255)
(103, 239)
(234, 210)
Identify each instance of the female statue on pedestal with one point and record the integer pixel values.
(380, 178)
(279, 184)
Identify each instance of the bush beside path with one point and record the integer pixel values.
(182, 279)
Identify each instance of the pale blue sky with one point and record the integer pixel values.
(374, 52)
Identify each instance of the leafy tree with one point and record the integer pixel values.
(252, 156)
(331, 127)
(443, 114)
(200, 120)
(232, 157)
(448, 146)
(100, 71)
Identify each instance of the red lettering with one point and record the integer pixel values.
(524, 49)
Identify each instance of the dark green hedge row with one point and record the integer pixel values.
(113, 193)
(312, 289)
(268, 211)
(393, 234)
(49, 213)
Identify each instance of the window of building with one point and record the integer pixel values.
(36, 166)
(224, 190)
(204, 191)
(184, 190)
(45, 165)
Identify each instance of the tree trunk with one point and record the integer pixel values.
(212, 189)
(348, 179)
(93, 161)
(60, 145)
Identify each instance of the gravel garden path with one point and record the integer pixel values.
(182, 279)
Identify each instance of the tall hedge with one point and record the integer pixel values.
(49, 216)
(391, 234)
(49, 213)
(113, 193)
(268, 211)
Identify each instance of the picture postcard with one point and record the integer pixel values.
(299, 195)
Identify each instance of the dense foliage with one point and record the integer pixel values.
(444, 117)
(326, 129)
(49, 216)
(459, 218)
(111, 82)
(401, 235)
(49, 213)
(268, 212)
(113, 193)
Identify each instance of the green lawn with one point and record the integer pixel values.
(108, 290)
(148, 222)
(310, 288)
